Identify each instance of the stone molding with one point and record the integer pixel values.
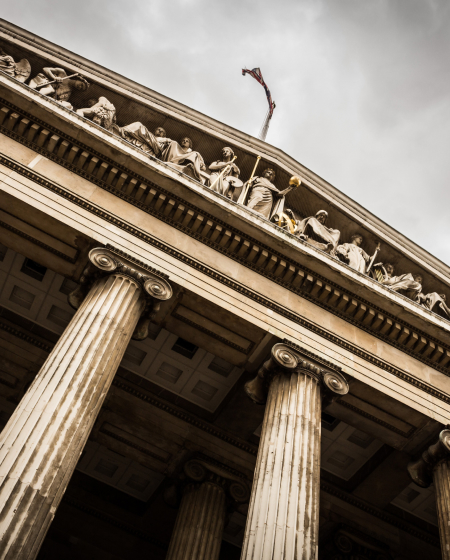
(107, 261)
(285, 360)
(421, 470)
(444, 397)
(249, 252)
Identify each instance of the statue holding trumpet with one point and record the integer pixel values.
(261, 195)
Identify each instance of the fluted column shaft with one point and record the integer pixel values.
(199, 526)
(442, 488)
(43, 440)
(434, 466)
(282, 522)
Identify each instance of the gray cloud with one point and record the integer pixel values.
(362, 88)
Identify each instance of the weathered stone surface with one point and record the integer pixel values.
(44, 438)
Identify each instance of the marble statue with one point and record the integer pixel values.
(353, 254)
(100, 111)
(19, 70)
(183, 157)
(437, 303)
(55, 83)
(314, 231)
(139, 135)
(407, 284)
(262, 196)
(224, 183)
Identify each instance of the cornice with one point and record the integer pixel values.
(233, 243)
(296, 318)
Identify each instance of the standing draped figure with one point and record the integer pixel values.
(223, 184)
(353, 254)
(262, 196)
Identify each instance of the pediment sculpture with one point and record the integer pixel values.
(262, 196)
(437, 303)
(19, 70)
(314, 231)
(407, 284)
(55, 83)
(353, 254)
(100, 111)
(141, 138)
(183, 157)
(224, 178)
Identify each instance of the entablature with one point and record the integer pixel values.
(154, 187)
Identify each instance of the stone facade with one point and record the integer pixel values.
(202, 282)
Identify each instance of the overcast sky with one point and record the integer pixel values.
(362, 87)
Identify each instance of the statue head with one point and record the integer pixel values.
(160, 132)
(227, 153)
(389, 269)
(186, 142)
(269, 174)
(357, 239)
(418, 278)
(321, 216)
(443, 297)
(91, 102)
(80, 83)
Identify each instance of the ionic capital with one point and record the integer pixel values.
(107, 261)
(200, 470)
(421, 471)
(285, 360)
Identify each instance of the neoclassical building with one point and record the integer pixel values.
(207, 353)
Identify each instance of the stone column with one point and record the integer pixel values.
(283, 516)
(207, 494)
(434, 466)
(43, 440)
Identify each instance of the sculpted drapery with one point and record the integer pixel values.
(262, 196)
(407, 283)
(353, 254)
(222, 183)
(314, 231)
(139, 135)
(183, 157)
